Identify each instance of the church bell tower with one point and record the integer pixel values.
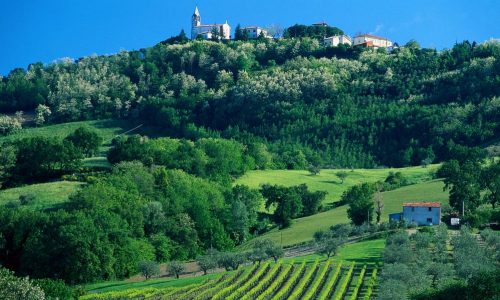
(195, 22)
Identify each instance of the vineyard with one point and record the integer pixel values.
(269, 280)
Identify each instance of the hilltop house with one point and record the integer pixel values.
(372, 41)
(335, 40)
(421, 213)
(207, 31)
(255, 31)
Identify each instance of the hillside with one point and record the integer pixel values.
(303, 229)
(328, 181)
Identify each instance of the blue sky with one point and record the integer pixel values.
(44, 30)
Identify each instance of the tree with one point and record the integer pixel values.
(208, 261)
(288, 203)
(328, 243)
(378, 198)
(14, 288)
(342, 175)
(240, 34)
(360, 201)
(314, 170)
(54, 288)
(149, 269)
(42, 113)
(175, 268)
(86, 140)
(231, 260)
(7, 162)
(490, 181)
(311, 201)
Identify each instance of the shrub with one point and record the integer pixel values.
(54, 288)
(9, 125)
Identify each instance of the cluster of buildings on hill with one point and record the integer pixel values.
(223, 32)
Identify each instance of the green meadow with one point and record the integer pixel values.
(46, 195)
(303, 229)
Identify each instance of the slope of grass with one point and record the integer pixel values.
(153, 283)
(302, 229)
(327, 181)
(368, 251)
(46, 195)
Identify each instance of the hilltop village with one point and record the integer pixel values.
(223, 32)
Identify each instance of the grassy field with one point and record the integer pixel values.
(302, 229)
(369, 251)
(153, 283)
(327, 181)
(46, 194)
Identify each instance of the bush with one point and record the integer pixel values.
(54, 288)
(9, 125)
(26, 199)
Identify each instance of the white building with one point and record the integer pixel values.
(207, 31)
(255, 31)
(335, 40)
(372, 41)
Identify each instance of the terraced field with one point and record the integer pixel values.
(327, 279)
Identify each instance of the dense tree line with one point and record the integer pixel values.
(310, 104)
(134, 214)
(41, 158)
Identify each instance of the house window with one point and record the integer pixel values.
(430, 208)
(429, 220)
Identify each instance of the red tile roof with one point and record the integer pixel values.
(373, 36)
(422, 204)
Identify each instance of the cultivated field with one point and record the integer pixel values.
(281, 280)
(350, 274)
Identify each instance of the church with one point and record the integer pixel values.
(208, 31)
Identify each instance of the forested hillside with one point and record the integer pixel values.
(308, 104)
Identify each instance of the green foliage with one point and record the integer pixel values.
(359, 199)
(175, 268)
(316, 32)
(54, 289)
(342, 175)
(86, 140)
(148, 269)
(9, 125)
(13, 288)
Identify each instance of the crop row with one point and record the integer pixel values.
(275, 281)
(371, 285)
(286, 287)
(330, 282)
(312, 290)
(339, 292)
(355, 291)
(250, 283)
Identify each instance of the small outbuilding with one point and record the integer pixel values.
(420, 213)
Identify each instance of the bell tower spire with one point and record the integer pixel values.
(195, 22)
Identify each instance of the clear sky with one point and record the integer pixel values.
(44, 30)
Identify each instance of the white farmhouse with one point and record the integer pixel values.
(255, 31)
(207, 31)
(336, 40)
(372, 41)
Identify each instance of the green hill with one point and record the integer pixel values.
(303, 229)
